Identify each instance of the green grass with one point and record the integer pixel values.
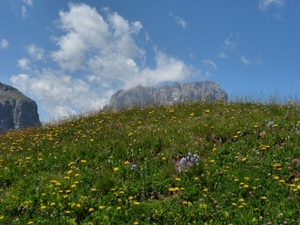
(79, 171)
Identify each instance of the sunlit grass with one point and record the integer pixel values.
(200, 163)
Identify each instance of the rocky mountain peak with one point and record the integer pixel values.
(16, 110)
(208, 91)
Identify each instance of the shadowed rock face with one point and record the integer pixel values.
(207, 91)
(16, 110)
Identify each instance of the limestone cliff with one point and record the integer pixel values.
(16, 110)
(208, 91)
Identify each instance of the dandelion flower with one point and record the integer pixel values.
(126, 162)
(263, 197)
(116, 169)
(101, 207)
(91, 209)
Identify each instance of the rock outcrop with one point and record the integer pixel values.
(207, 91)
(16, 110)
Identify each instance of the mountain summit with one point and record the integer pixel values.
(16, 110)
(207, 91)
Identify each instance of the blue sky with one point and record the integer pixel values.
(72, 56)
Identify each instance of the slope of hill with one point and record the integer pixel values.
(196, 163)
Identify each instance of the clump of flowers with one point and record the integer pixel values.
(270, 123)
(188, 161)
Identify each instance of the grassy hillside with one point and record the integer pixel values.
(185, 164)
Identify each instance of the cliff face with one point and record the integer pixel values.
(16, 110)
(208, 91)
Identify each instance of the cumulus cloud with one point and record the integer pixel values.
(24, 64)
(60, 94)
(180, 21)
(4, 44)
(265, 4)
(210, 63)
(97, 54)
(35, 52)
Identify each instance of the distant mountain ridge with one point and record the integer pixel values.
(16, 110)
(207, 91)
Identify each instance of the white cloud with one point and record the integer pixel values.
(211, 63)
(60, 94)
(147, 37)
(24, 12)
(180, 21)
(265, 4)
(24, 64)
(259, 61)
(245, 60)
(96, 56)
(227, 45)
(167, 69)
(222, 55)
(35, 52)
(28, 2)
(4, 44)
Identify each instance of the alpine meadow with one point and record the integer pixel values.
(200, 163)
